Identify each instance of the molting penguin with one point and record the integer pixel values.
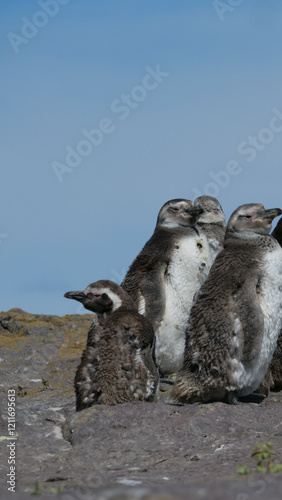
(276, 363)
(117, 365)
(236, 319)
(212, 223)
(164, 277)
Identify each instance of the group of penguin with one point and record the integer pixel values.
(200, 307)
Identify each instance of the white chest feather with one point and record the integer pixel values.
(250, 375)
(188, 269)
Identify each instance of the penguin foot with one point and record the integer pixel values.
(232, 398)
(254, 397)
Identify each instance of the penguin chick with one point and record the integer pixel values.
(166, 274)
(235, 321)
(117, 365)
(274, 380)
(212, 223)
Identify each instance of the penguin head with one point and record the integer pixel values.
(179, 212)
(212, 211)
(103, 297)
(252, 218)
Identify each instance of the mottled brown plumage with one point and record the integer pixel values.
(145, 277)
(232, 329)
(117, 365)
(212, 223)
(166, 274)
(275, 381)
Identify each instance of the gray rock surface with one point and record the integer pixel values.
(131, 451)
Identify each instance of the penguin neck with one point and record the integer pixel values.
(103, 315)
(132, 308)
(212, 225)
(251, 239)
(181, 229)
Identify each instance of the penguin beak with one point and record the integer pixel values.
(271, 213)
(197, 210)
(80, 296)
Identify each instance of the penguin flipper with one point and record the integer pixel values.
(86, 395)
(276, 366)
(152, 375)
(152, 290)
(251, 318)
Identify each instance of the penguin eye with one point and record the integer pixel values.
(174, 209)
(248, 216)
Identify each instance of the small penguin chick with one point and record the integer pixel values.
(117, 365)
(236, 318)
(212, 223)
(274, 380)
(165, 276)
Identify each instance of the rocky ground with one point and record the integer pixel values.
(149, 451)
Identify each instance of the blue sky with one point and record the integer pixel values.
(182, 97)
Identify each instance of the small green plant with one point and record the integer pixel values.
(264, 454)
(40, 489)
(57, 491)
(37, 489)
(45, 383)
(243, 470)
(21, 392)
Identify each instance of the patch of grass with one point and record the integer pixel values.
(264, 455)
(243, 470)
(21, 392)
(58, 490)
(37, 489)
(45, 383)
